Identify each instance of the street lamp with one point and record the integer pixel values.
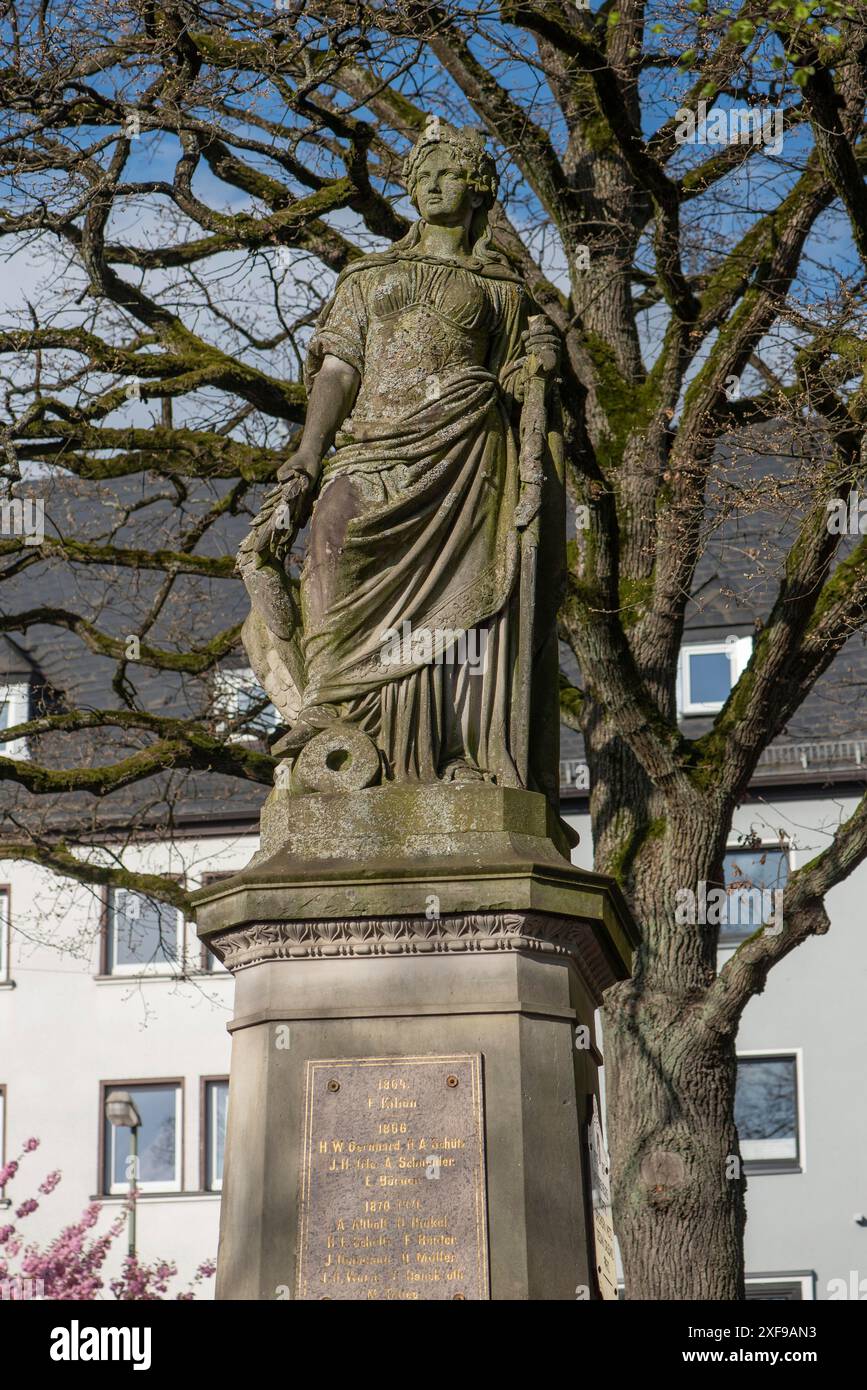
(120, 1111)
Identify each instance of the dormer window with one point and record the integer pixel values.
(14, 709)
(707, 673)
(240, 702)
(19, 678)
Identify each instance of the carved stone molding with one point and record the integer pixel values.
(364, 937)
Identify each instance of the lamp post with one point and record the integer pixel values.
(120, 1111)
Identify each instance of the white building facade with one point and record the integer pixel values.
(802, 1105)
(101, 991)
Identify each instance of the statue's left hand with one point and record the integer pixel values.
(291, 511)
(281, 515)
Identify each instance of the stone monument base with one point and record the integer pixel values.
(417, 970)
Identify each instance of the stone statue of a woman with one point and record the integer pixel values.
(417, 620)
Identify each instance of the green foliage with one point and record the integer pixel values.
(742, 31)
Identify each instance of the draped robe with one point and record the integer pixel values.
(413, 530)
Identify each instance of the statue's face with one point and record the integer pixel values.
(442, 191)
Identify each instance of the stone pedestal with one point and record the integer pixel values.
(442, 923)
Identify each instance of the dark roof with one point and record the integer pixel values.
(15, 664)
(734, 585)
(758, 496)
(127, 513)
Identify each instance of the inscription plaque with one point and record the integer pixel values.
(392, 1201)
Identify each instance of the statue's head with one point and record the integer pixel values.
(443, 147)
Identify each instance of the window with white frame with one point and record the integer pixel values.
(14, 709)
(142, 934)
(767, 1112)
(5, 934)
(2, 1129)
(159, 1139)
(708, 671)
(240, 702)
(752, 877)
(216, 1109)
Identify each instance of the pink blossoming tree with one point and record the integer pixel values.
(71, 1265)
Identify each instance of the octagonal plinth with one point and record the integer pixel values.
(432, 922)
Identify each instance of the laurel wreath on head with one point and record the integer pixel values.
(469, 145)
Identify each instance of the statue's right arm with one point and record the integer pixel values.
(331, 398)
(285, 508)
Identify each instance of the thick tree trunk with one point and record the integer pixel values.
(670, 1079)
(678, 1193)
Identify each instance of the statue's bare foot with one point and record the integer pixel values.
(459, 770)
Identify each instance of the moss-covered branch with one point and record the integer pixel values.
(85, 553)
(103, 644)
(182, 745)
(62, 860)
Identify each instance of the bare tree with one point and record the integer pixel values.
(190, 176)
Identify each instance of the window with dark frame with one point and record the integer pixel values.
(209, 961)
(748, 873)
(159, 1138)
(779, 1291)
(216, 1102)
(766, 1113)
